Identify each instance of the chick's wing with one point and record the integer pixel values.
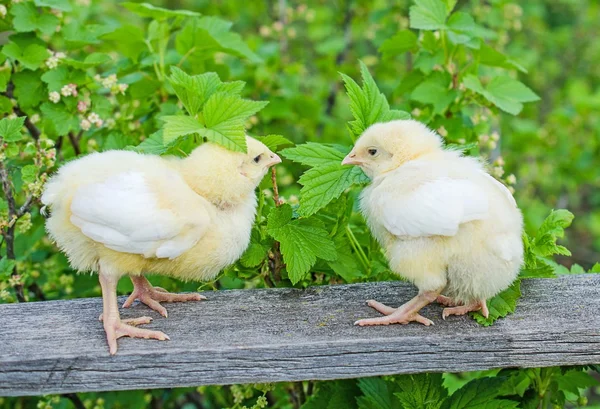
(435, 208)
(125, 214)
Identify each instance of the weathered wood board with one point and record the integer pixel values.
(288, 335)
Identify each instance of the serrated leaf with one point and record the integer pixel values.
(28, 173)
(428, 15)
(325, 183)
(59, 118)
(273, 142)
(556, 223)
(367, 104)
(377, 394)
(506, 93)
(179, 125)
(31, 57)
(340, 394)
(400, 43)
(29, 89)
(574, 380)
(224, 117)
(157, 13)
(314, 154)
(494, 58)
(10, 129)
(422, 391)
(27, 18)
(6, 267)
(153, 144)
(256, 251)
(301, 241)
(233, 87)
(203, 36)
(92, 60)
(500, 305)
(78, 34)
(480, 394)
(63, 5)
(436, 91)
(194, 91)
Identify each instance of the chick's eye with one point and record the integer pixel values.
(257, 159)
(372, 151)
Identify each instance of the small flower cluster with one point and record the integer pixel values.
(54, 97)
(2, 10)
(489, 141)
(92, 119)
(69, 90)
(54, 59)
(111, 82)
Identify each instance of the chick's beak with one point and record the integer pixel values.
(274, 159)
(351, 159)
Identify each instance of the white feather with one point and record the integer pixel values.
(123, 214)
(435, 208)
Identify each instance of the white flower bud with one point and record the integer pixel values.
(54, 97)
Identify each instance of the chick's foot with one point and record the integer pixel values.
(408, 312)
(153, 296)
(116, 328)
(480, 305)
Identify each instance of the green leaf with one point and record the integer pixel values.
(4, 78)
(314, 154)
(428, 15)
(273, 142)
(78, 34)
(574, 380)
(322, 184)
(339, 394)
(595, 268)
(367, 104)
(556, 223)
(480, 394)
(10, 129)
(179, 125)
(506, 93)
(203, 36)
(6, 267)
(501, 305)
(92, 60)
(436, 91)
(153, 145)
(59, 118)
(493, 58)
(224, 117)
(233, 87)
(27, 18)
(377, 394)
(63, 5)
(301, 240)
(28, 173)
(401, 42)
(157, 13)
(423, 391)
(29, 89)
(31, 57)
(193, 91)
(256, 251)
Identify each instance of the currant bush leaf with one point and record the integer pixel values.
(179, 125)
(10, 129)
(301, 240)
(500, 305)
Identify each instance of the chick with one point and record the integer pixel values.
(124, 213)
(444, 223)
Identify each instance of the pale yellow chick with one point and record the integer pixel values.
(445, 224)
(124, 213)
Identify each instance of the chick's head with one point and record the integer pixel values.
(384, 147)
(222, 175)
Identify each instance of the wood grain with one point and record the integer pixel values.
(277, 335)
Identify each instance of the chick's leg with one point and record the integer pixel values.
(463, 309)
(153, 296)
(404, 314)
(113, 326)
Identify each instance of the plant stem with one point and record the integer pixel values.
(358, 249)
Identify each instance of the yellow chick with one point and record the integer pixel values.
(445, 224)
(124, 213)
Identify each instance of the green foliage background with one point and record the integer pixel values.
(515, 82)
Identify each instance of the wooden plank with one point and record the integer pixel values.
(288, 335)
